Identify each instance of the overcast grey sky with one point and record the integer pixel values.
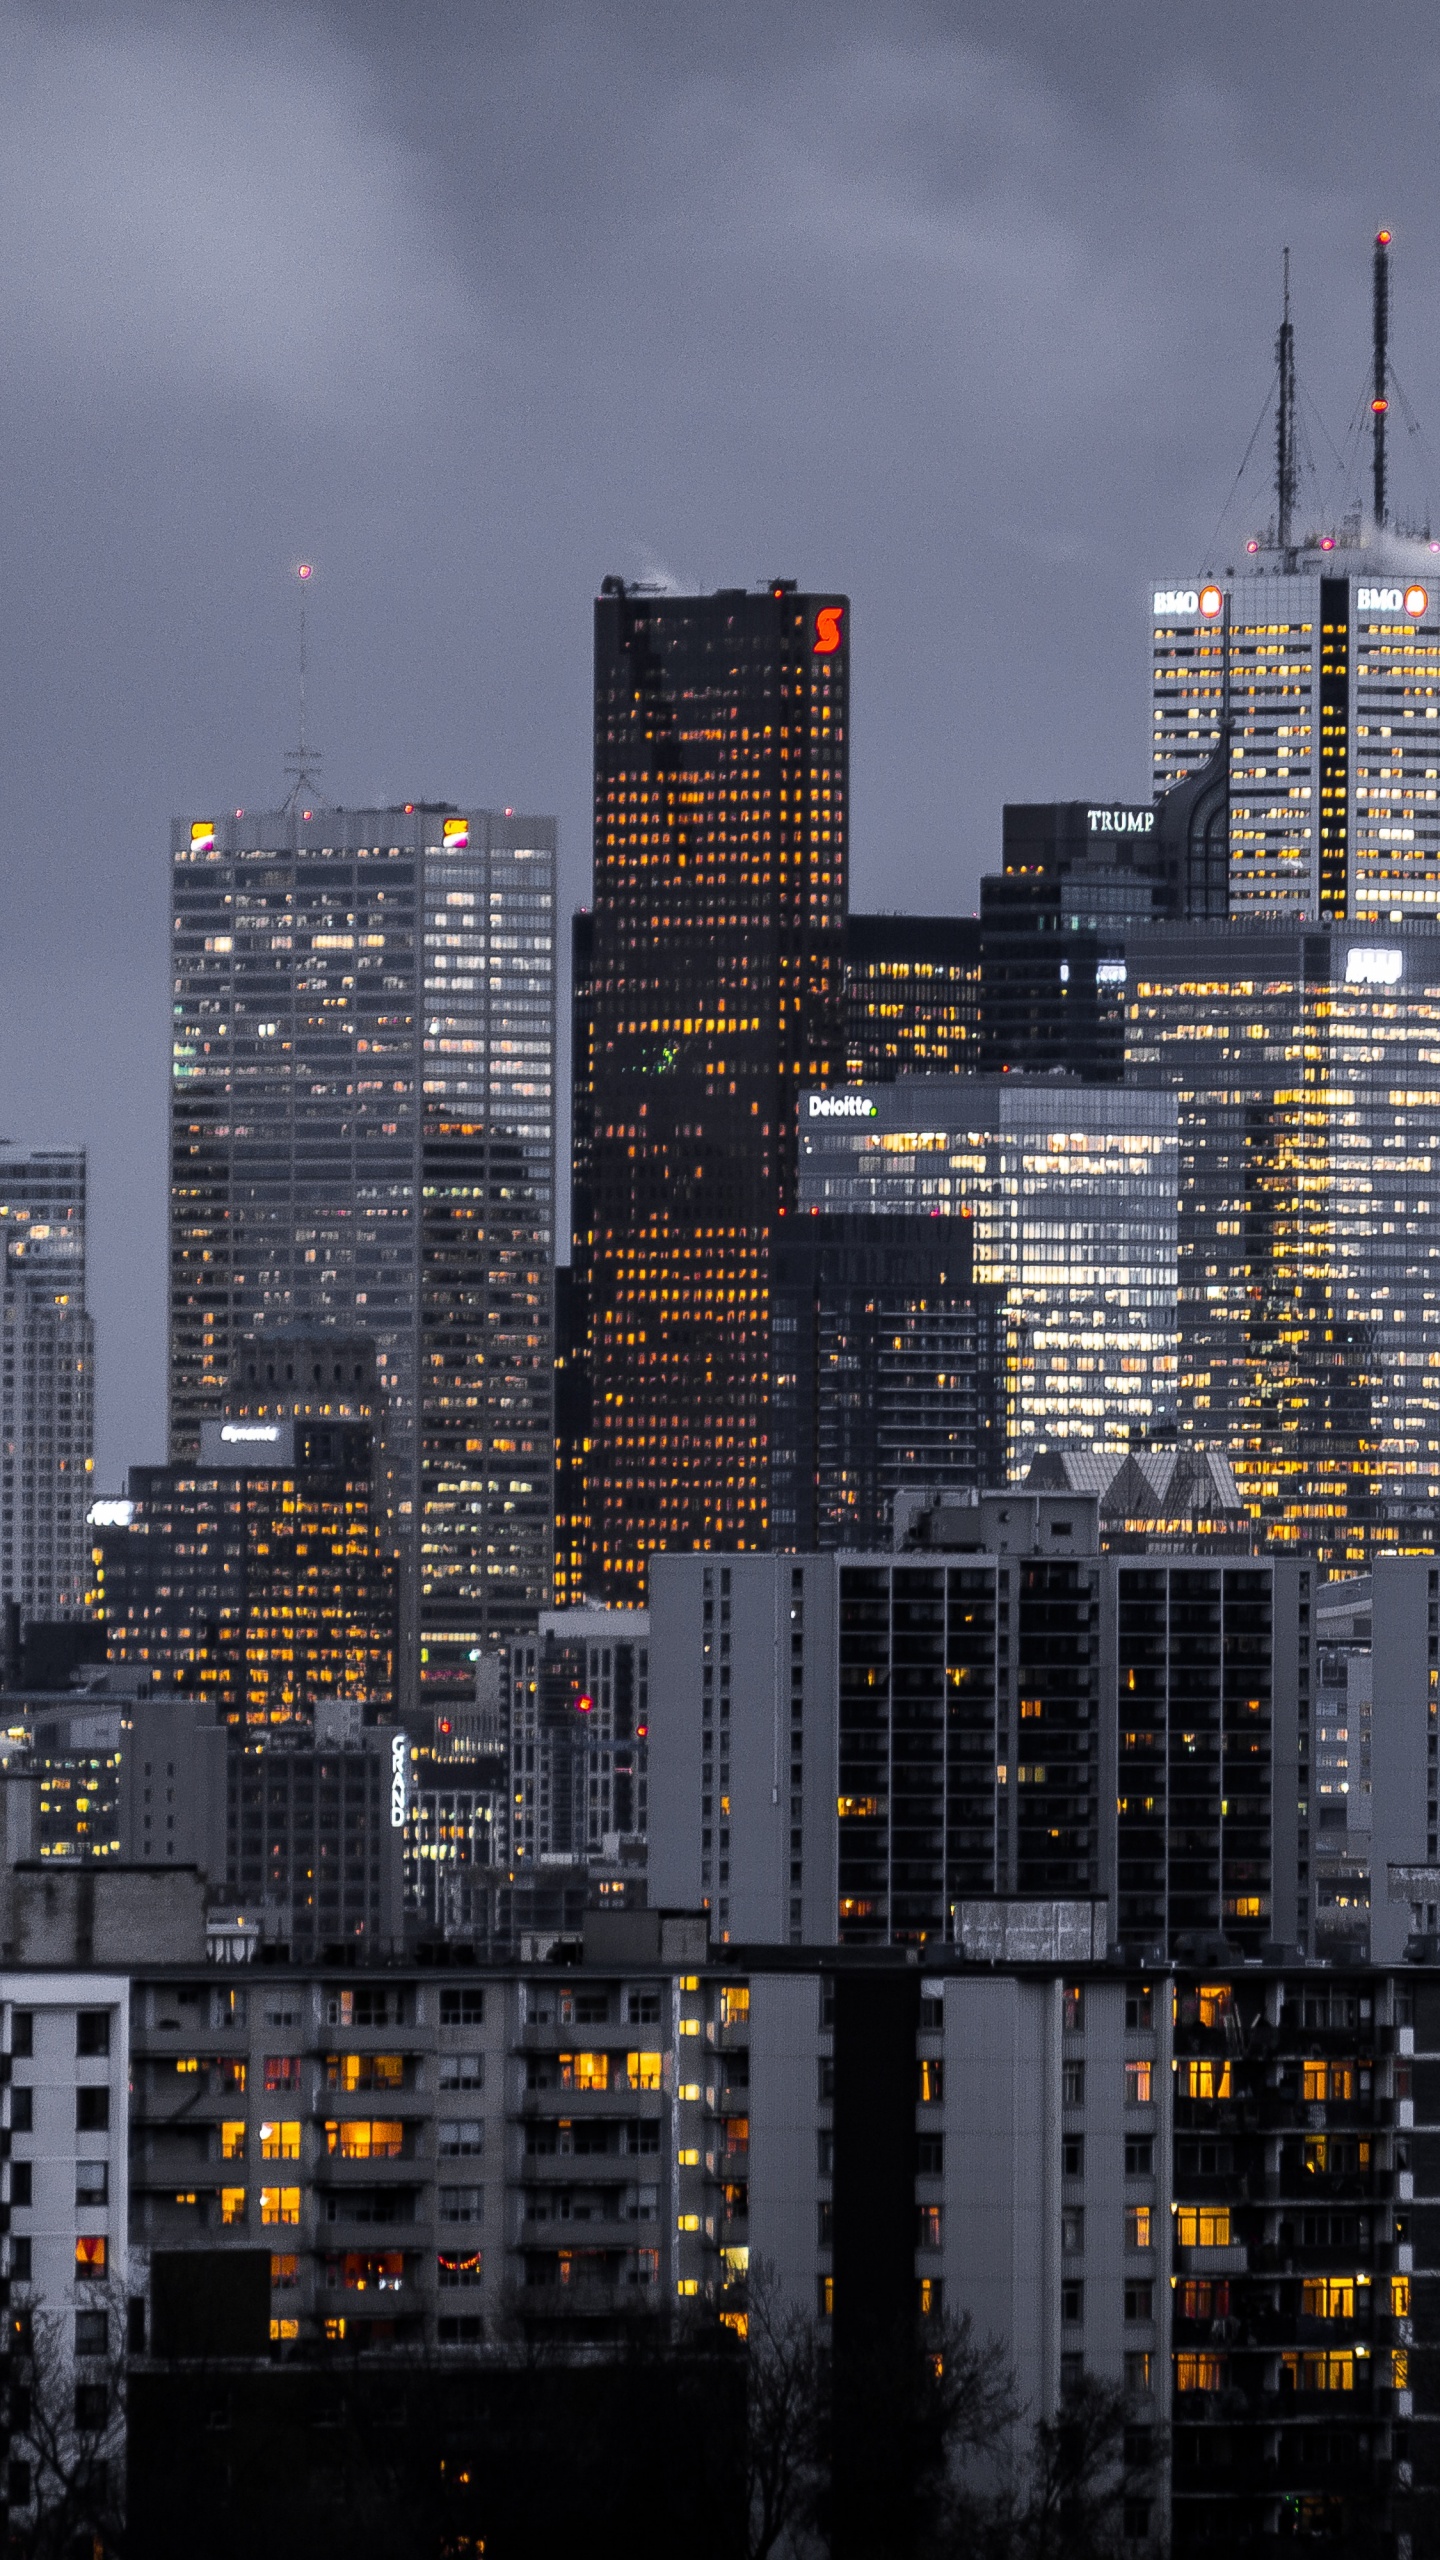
(966, 309)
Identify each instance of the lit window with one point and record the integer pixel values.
(280, 2141)
(279, 2204)
(232, 2140)
(1137, 2226)
(90, 2260)
(284, 2274)
(232, 2204)
(1199, 2373)
(642, 2070)
(283, 2330)
(364, 2139)
(1203, 2226)
(584, 2070)
(1330, 2371)
(1137, 2084)
(1203, 2079)
(1328, 2297)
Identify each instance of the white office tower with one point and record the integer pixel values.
(47, 1396)
(1313, 680)
(1319, 671)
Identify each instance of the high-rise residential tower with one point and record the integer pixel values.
(363, 1138)
(1321, 675)
(712, 991)
(47, 1393)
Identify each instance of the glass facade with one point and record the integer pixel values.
(363, 1136)
(264, 1590)
(1328, 676)
(1306, 1067)
(710, 988)
(912, 996)
(1071, 1195)
(47, 1395)
(888, 1369)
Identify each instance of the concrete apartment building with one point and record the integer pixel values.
(1214, 2186)
(847, 1746)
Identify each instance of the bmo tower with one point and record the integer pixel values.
(1318, 680)
(709, 991)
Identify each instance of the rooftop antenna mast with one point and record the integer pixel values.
(302, 762)
(1286, 461)
(1379, 402)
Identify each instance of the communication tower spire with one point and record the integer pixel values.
(302, 763)
(1379, 402)
(1285, 453)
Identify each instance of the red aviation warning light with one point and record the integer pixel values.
(1379, 408)
(827, 630)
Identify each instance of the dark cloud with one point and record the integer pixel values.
(967, 309)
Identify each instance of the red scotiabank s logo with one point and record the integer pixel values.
(827, 630)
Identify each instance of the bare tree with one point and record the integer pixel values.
(1065, 2497)
(786, 2401)
(67, 2435)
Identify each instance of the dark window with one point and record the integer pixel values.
(92, 2406)
(1139, 2301)
(22, 2031)
(930, 2150)
(92, 2110)
(92, 2333)
(1072, 2084)
(1072, 2372)
(1072, 2303)
(827, 2078)
(19, 2484)
(20, 2181)
(92, 2182)
(1139, 2155)
(22, 2110)
(826, 2214)
(464, 2008)
(20, 2260)
(1073, 2155)
(1074, 2004)
(642, 2008)
(1139, 2006)
(92, 2031)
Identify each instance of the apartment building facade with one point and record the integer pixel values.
(1217, 2188)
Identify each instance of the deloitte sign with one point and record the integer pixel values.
(840, 1106)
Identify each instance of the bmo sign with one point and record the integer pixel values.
(1208, 602)
(1412, 600)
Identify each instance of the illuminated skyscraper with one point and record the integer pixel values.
(912, 996)
(363, 1138)
(1070, 1192)
(1323, 676)
(1304, 1065)
(711, 991)
(256, 1577)
(47, 1397)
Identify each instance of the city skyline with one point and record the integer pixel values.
(956, 250)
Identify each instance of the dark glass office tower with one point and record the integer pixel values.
(363, 1138)
(716, 953)
(1077, 878)
(889, 1371)
(912, 996)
